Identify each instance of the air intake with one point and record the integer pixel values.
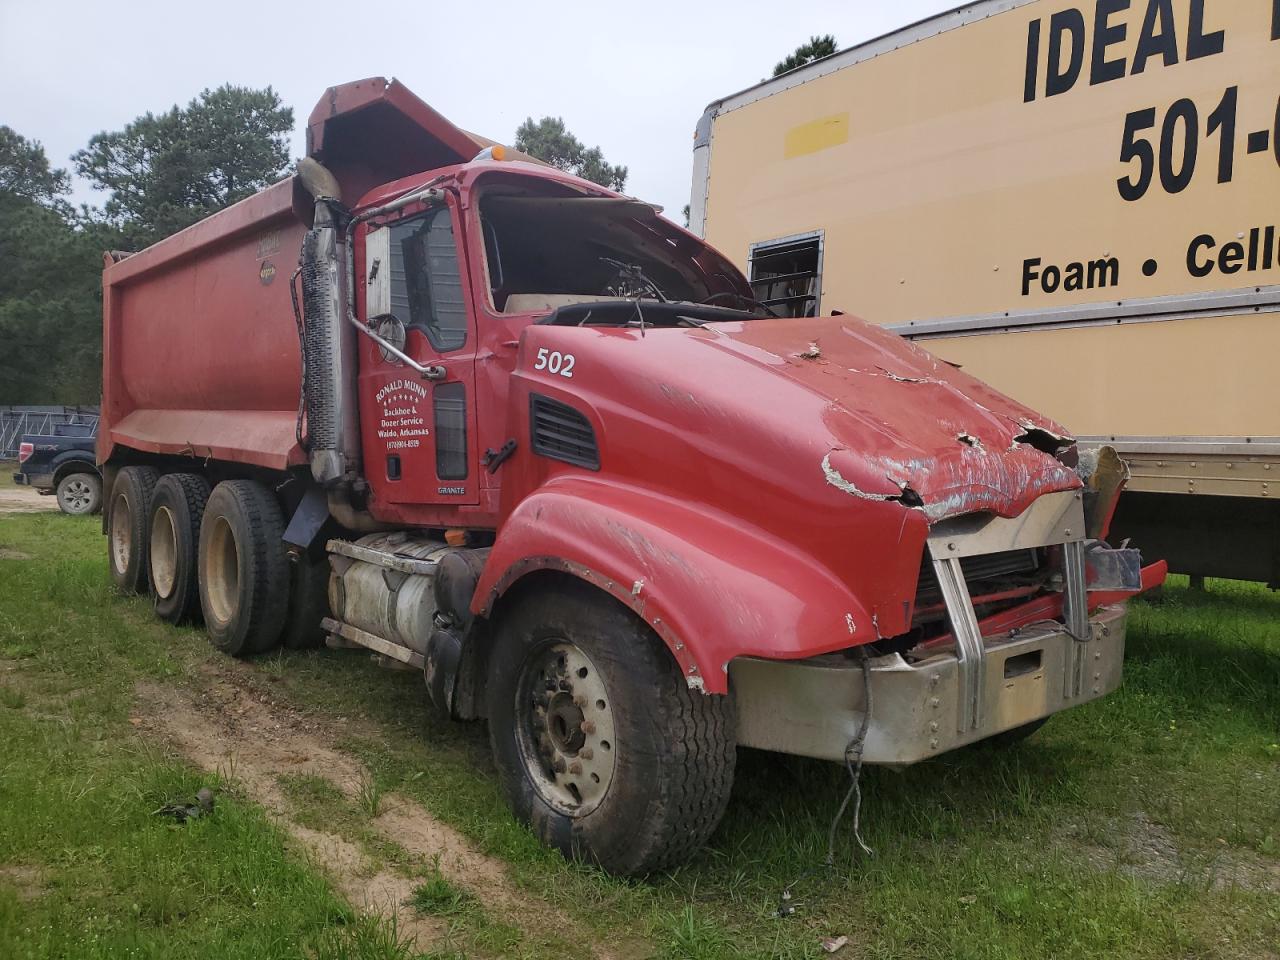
(562, 433)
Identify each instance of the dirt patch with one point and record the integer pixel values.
(222, 730)
(27, 881)
(15, 499)
(1147, 851)
(7, 553)
(250, 738)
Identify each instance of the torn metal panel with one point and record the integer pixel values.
(1105, 476)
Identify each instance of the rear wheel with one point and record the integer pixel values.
(177, 507)
(308, 603)
(130, 506)
(80, 493)
(244, 573)
(601, 746)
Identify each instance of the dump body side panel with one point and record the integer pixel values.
(201, 351)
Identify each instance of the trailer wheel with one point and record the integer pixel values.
(308, 603)
(600, 745)
(244, 573)
(177, 506)
(130, 507)
(79, 494)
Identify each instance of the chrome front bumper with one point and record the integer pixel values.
(984, 686)
(814, 708)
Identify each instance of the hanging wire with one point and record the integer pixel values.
(853, 753)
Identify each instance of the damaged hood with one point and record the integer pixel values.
(903, 426)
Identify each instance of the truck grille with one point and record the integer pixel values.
(985, 573)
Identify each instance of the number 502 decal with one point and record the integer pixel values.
(554, 361)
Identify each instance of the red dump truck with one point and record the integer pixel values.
(523, 434)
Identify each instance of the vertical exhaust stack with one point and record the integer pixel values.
(329, 341)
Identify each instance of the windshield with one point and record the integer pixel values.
(544, 252)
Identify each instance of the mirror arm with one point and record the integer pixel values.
(427, 373)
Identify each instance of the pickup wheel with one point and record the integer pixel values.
(130, 506)
(177, 506)
(80, 493)
(601, 747)
(244, 573)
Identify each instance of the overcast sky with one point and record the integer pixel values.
(632, 78)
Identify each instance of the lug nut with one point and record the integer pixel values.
(575, 767)
(587, 726)
(586, 753)
(559, 765)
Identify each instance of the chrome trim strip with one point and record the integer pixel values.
(1190, 446)
(969, 650)
(1112, 312)
(1075, 609)
(1052, 519)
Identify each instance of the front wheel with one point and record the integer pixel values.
(601, 746)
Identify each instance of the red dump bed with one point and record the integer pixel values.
(200, 347)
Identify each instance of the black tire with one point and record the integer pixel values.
(670, 755)
(177, 507)
(244, 573)
(128, 512)
(1015, 736)
(308, 603)
(80, 494)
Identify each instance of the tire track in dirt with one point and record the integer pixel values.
(224, 727)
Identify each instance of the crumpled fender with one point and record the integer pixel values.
(712, 587)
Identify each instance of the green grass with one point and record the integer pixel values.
(1099, 837)
(86, 869)
(440, 897)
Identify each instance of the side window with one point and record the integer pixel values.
(786, 274)
(426, 283)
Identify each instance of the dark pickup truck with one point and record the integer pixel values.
(63, 464)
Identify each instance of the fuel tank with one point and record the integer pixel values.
(394, 604)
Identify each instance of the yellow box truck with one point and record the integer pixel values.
(1077, 202)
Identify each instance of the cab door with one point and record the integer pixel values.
(419, 434)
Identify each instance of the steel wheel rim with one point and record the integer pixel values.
(121, 532)
(76, 495)
(164, 552)
(565, 728)
(222, 571)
